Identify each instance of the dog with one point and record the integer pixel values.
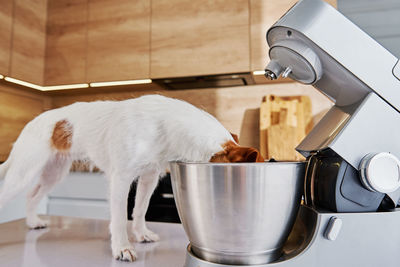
(127, 140)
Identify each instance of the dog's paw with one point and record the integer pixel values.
(36, 223)
(145, 236)
(125, 254)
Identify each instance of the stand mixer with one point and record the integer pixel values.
(352, 175)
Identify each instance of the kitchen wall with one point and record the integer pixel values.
(236, 107)
(380, 19)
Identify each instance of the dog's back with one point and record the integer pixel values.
(151, 129)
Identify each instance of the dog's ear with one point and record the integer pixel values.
(230, 153)
(253, 156)
(244, 154)
(234, 153)
(235, 137)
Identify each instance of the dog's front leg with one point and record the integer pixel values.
(119, 190)
(145, 188)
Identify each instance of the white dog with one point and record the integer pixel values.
(127, 140)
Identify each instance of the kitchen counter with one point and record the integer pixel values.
(79, 242)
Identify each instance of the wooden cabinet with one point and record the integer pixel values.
(118, 40)
(263, 14)
(66, 42)
(109, 40)
(5, 34)
(29, 40)
(101, 40)
(199, 37)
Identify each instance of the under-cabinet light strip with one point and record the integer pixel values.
(73, 86)
(23, 83)
(64, 87)
(259, 72)
(128, 82)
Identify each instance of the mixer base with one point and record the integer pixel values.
(236, 258)
(364, 239)
(194, 261)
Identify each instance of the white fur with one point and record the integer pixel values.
(127, 139)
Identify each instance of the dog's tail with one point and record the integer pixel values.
(4, 168)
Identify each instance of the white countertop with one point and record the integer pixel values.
(75, 242)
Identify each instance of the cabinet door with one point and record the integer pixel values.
(66, 42)
(118, 40)
(263, 14)
(5, 34)
(29, 40)
(199, 37)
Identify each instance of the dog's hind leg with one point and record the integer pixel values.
(54, 171)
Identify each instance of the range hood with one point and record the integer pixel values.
(208, 81)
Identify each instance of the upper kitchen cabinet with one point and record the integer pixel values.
(6, 12)
(28, 40)
(264, 13)
(199, 37)
(66, 42)
(118, 40)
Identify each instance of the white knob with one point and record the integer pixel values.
(380, 172)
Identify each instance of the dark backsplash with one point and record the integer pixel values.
(162, 206)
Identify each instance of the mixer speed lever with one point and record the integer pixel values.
(333, 228)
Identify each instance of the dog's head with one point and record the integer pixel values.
(232, 152)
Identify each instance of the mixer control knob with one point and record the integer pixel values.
(380, 172)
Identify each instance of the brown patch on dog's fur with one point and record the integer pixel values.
(234, 153)
(62, 136)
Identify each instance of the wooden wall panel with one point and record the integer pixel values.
(17, 107)
(118, 40)
(6, 15)
(29, 40)
(66, 42)
(199, 37)
(263, 14)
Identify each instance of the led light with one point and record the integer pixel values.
(259, 72)
(73, 86)
(23, 83)
(116, 83)
(64, 87)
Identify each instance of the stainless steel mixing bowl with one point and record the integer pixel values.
(237, 213)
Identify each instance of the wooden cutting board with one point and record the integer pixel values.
(284, 122)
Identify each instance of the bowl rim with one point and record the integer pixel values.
(193, 163)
